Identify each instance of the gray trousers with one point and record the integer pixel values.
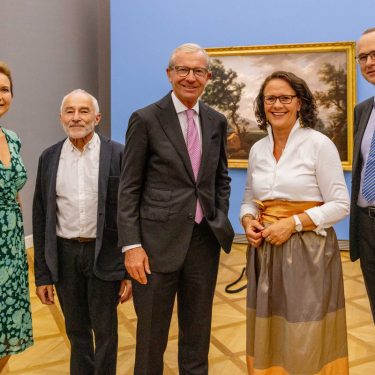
(89, 306)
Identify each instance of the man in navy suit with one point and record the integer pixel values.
(362, 218)
(172, 216)
(75, 235)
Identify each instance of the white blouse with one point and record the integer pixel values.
(309, 169)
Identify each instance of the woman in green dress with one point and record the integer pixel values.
(15, 314)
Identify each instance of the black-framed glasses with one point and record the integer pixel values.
(362, 57)
(284, 99)
(184, 71)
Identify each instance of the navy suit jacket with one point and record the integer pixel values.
(362, 112)
(109, 260)
(158, 191)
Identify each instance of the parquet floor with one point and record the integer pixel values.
(50, 354)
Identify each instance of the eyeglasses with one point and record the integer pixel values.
(284, 99)
(184, 71)
(362, 58)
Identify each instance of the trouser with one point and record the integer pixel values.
(194, 284)
(367, 252)
(89, 306)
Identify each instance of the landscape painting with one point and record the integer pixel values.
(238, 72)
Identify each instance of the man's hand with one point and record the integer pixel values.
(125, 292)
(45, 294)
(136, 263)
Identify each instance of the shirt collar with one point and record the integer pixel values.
(180, 107)
(296, 126)
(92, 144)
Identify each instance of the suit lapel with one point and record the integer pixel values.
(104, 169)
(361, 131)
(51, 207)
(206, 126)
(169, 122)
(55, 160)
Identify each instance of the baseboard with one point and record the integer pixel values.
(29, 241)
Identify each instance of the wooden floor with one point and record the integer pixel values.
(50, 354)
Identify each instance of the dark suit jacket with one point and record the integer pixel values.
(109, 260)
(157, 193)
(362, 113)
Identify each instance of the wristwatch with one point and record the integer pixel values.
(298, 227)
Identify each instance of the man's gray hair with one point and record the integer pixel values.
(190, 48)
(80, 91)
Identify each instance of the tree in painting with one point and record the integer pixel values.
(224, 93)
(334, 97)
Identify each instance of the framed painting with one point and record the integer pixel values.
(238, 72)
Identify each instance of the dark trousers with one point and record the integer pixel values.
(194, 283)
(367, 253)
(89, 306)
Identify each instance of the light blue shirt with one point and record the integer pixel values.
(365, 150)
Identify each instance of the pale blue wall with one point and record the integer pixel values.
(143, 33)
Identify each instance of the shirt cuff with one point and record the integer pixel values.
(317, 219)
(247, 210)
(129, 247)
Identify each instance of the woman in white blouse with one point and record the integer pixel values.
(295, 192)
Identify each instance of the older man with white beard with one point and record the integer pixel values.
(75, 235)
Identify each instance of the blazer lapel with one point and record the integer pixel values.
(54, 166)
(361, 131)
(169, 122)
(206, 126)
(50, 206)
(104, 169)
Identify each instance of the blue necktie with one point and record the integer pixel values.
(368, 189)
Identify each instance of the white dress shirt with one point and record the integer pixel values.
(309, 169)
(77, 190)
(182, 118)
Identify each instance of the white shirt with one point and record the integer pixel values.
(182, 118)
(77, 190)
(309, 169)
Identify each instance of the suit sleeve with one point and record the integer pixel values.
(133, 170)
(42, 274)
(222, 181)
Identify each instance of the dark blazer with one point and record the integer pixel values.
(362, 112)
(157, 193)
(109, 260)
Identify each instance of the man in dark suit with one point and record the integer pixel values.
(173, 204)
(362, 218)
(75, 235)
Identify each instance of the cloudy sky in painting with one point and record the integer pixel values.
(252, 70)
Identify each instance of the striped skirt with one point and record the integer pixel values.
(296, 321)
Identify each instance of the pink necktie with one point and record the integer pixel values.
(194, 149)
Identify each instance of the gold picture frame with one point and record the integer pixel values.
(237, 73)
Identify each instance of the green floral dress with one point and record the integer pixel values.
(15, 314)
